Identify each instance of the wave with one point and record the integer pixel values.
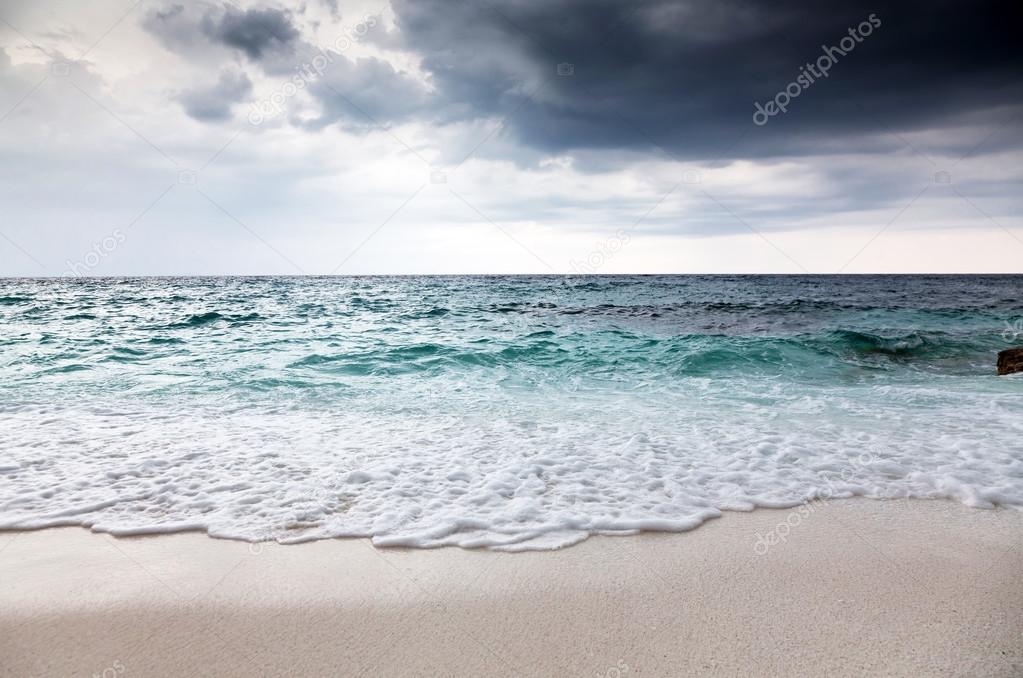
(502, 412)
(212, 317)
(909, 345)
(692, 354)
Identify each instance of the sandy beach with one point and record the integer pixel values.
(851, 587)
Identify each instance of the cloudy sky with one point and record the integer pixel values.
(509, 136)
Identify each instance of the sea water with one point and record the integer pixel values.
(503, 412)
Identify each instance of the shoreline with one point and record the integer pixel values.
(857, 586)
(484, 540)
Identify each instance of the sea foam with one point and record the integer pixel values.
(492, 472)
(495, 413)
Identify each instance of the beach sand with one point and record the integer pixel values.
(857, 587)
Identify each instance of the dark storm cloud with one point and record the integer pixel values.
(363, 93)
(258, 33)
(680, 77)
(254, 31)
(685, 75)
(357, 94)
(213, 103)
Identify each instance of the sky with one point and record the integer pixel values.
(140, 137)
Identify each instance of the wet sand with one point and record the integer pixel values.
(851, 587)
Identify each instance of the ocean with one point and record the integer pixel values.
(508, 412)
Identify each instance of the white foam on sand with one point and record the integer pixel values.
(508, 472)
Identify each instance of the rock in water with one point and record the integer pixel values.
(1010, 360)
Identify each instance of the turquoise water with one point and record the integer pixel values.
(514, 411)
